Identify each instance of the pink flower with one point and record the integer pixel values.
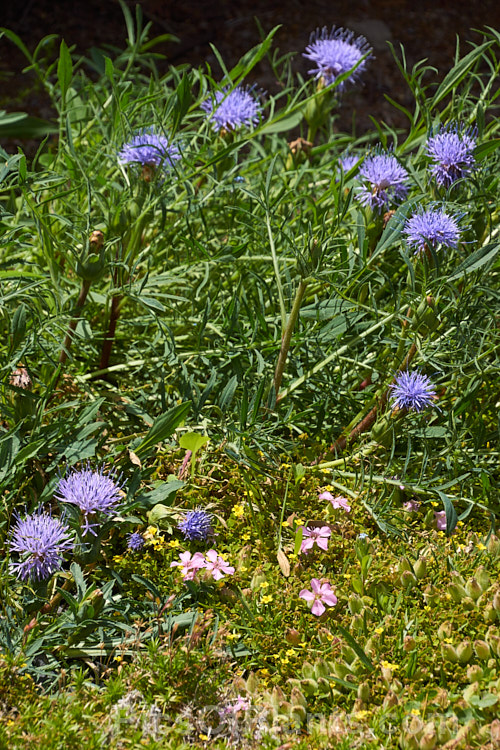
(315, 536)
(320, 595)
(216, 565)
(189, 565)
(337, 502)
(440, 517)
(412, 506)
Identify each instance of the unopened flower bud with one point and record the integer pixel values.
(473, 589)
(464, 651)
(409, 643)
(96, 240)
(482, 650)
(483, 577)
(493, 545)
(444, 630)
(420, 568)
(364, 692)
(490, 613)
(428, 741)
(474, 673)
(355, 604)
(449, 653)
(293, 636)
(496, 601)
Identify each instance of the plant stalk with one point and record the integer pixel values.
(287, 337)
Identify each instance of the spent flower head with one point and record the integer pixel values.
(149, 149)
(336, 52)
(230, 110)
(320, 595)
(451, 154)
(92, 492)
(41, 540)
(385, 181)
(412, 390)
(196, 525)
(431, 227)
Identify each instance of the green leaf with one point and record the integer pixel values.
(193, 441)
(165, 491)
(356, 648)
(64, 70)
(451, 515)
(77, 574)
(485, 149)
(458, 73)
(479, 258)
(162, 428)
(281, 124)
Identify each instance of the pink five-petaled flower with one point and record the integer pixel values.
(310, 537)
(189, 565)
(217, 565)
(440, 516)
(320, 595)
(337, 502)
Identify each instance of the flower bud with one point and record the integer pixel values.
(420, 568)
(464, 651)
(482, 650)
(473, 589)
(408, 579)
(490, 613)
(293, 637)
(364, 692)
(431, 595)
(493, 545)
(496, 601)
(449, 653)
(474, 673)
(355, 604)
(409, 643)
(428, 741)
(470, 691)
(457, 592)
(483, 577)
(390, 700)
(444, 630)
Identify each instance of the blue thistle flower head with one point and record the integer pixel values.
(412, 391)
(92, 492)
(335, 52)
(431, 227)
(196, 525)
(385, 181)
(347, 162)
(451, 154)
(149, 149)
(41, 541)
(135, 541)
(230, 110)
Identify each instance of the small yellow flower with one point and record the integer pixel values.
(243, 569)
(290, 652)
(238, 510)
(264, 585)
(246, 537)
(232, 636)
(448, 640)
(266, 599)
(481, 546)
(434, 504)
(299, 521)
(388, 665)
(118, 558)
(415, 712)
(264, 671)
(284, 660)
(285, 523)
(203, 737)
(379, 631)
(150, 532)
(174, 543)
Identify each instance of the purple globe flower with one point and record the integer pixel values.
(135, 541)
(196, 525)
(229, 110)
(41, 540)
(451, 153)
(431, 227)
(412, 391)
(92, 493)
(385, 181)
(149, 148)
(335, 52)
(347, 162)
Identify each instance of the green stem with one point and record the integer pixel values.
(277, 275)
(63, 356)
(287, 337)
